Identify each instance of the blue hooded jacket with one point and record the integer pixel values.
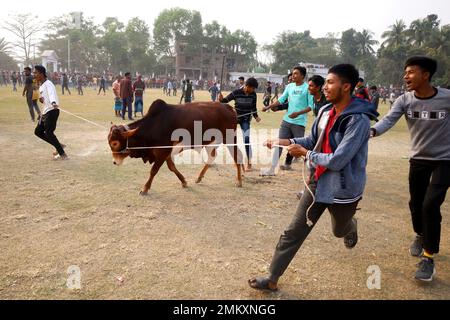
(345, 178)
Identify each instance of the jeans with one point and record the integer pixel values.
(138, 104)
(428, 185)
(46, 127)
(32, 105)
(245, 127)
(287, 131)
(293, 237)
(127, 103)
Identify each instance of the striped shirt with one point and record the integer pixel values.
(245, 104)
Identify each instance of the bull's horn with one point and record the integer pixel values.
(129, 133)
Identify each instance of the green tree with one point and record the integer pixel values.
(174, 24)
(396, 35)
(291, 48)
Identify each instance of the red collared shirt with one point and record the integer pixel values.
(326, 147)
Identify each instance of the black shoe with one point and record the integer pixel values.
(286, 167)
(426, 270)
(416, 248)
(351, 239)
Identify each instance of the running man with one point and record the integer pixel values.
(47, 124)
(427, 113)
(338, 150)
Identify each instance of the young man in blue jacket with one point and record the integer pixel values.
(337, 151)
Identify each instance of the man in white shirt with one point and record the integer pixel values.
(47, 124)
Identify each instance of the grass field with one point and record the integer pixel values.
(202, 242)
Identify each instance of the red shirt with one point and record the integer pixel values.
(326, 148)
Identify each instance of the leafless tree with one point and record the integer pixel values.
(25, 28)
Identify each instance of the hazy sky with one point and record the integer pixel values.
(264, 19)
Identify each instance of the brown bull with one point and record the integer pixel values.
(157, 127)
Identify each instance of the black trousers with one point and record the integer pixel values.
(342, 223)
(428, 185)
(46, 128)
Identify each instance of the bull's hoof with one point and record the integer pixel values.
(184, 184)
(198, 180)
(239, 184)
(143, 193)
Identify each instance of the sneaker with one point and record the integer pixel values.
(61, 157)
(267, 172)
(351, 239)
(286, 167)
(425, 270)
(416, 248)
(55, 153)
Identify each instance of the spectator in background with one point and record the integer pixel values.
(31, 92)
(117, 100)
(174, 87)
(361, 90)
(14, 80)
(138, 89)
(392, 98)
(169, 87)
(102, 86)
(126, 94)
(374, 96)
(214, 90)
(183, 90)
(276, 92)
(65, 83)
(241, 82)
(188, 92)
(79, 81)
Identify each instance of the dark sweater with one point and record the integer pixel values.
(245, 105)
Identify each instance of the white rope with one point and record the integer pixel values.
(88, 121)
(193, 146)
(309, 222)
(247, 114)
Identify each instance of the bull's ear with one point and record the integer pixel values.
(129, 133)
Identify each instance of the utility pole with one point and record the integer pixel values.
(68, 53)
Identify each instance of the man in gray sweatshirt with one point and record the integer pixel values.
(427, 113)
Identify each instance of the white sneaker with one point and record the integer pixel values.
(61, 157)
(267, 172)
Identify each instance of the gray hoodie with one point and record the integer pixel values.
(345, 178)
(428, 122)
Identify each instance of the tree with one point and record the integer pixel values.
(141, 58)
(396, 35)
(291, 48)
(4, 46)
(113, 43)
(348, 46)
(172, 25)
(84, 49)
(25, 28)
(365, 43)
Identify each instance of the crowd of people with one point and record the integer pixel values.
(336, 150)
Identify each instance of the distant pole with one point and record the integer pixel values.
(221, 75)
(68, 52)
